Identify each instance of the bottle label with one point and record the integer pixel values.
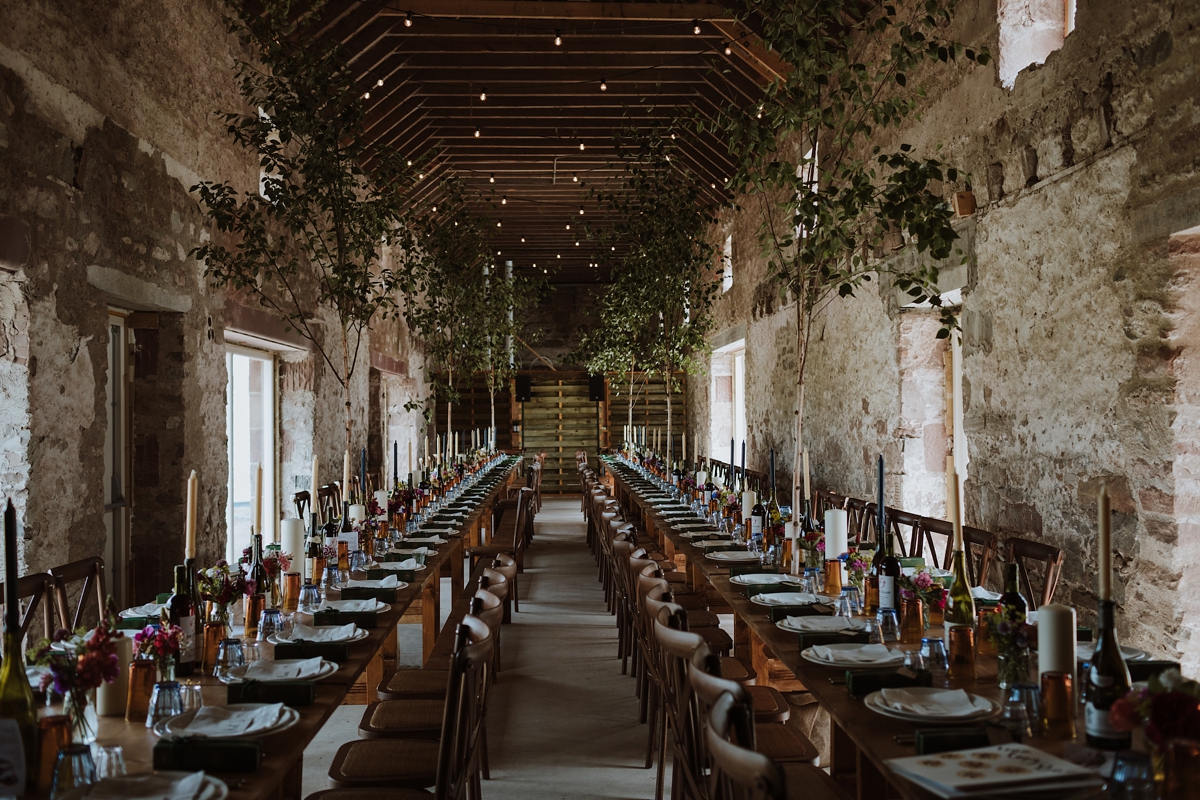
(1101, 681)
(187, 639)
(756, 526)
(887, 591)
(1097, 723)
(309, 563)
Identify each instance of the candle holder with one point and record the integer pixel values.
(214, 632)
(833, 578)
(291, 591)
(962, 653)
(1058, 706)
(253, 608)
(143, 674)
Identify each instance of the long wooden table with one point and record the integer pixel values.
(281, 772)
(861, 741)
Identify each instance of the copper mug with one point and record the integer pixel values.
(54, 733)
(254, 605)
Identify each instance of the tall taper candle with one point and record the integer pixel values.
(346, 477)
(396, 460)
(953, 513)
(732, 463)
(410, 469)
(313, 486)
(258, 480)
(12, 606)
(807, 484)
(882, 514)
(362, 477)
(1105, 525)
(744, 466)
(189, 530)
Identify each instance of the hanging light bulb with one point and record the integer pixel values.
(497, 224)
(672, 136)
(558, 255)
(760, 109)
(504, 200)
(696, 27)
(366, 96)
(522, 240)
(575, 179)
(568, 226)
(410, 162)
(581, 145)
(728, 49)
(581, 212)
(478, 133)
(421, 175)
(614, 248)
(558, 38)
(603, 85)
(497, 252)
(492, 178)
(577, 243)
(482, 94)
(379, 83)
(408, 20)
(435, 209)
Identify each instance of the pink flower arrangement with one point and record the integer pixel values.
(1168, 707)
(74, 673)
(159, 643)
(923, 586)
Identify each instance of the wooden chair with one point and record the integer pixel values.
(451, 764)
(859, 521)
(329, 502)
(303, 502)
(907, 542)
(979, 544)
(740, 773)
(1026, 553)
(39, 589)
(91, 572)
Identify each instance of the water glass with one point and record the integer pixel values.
(253, 652)
(310, 597)
(933, 656)
(841, 606)
(872, 631)
(73, 769)
(269, 623)
(110, 761)
(1132, 777)
(333, 578)
(230, 654)
(889, 625)
(193, 697)
(855, 597)
(358, 561)
(165, 701)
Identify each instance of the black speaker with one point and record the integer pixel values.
(524, 389)
(596, 388)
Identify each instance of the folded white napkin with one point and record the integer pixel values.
(148, 610)
(947, 703)
(227, 721)
(147, 787)
(866, 654)
(288, 670)
(980, 593)
(824, 624)
(370, 604)
(415, 551)
(408, 563)
(433, 540)
(388, 582)
(323, 633)
(786, 598)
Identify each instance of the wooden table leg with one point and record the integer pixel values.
(872, 785)
(292, 787)
(456, 575)
(843, 757)
(430, 617)
(741, 639)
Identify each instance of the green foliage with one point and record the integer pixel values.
(329, 203)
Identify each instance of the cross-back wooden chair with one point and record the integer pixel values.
(980, 546)
(38, 589)
(1027, 553)
(91, 572)
(906, 528)
(859, 525)
(329, 502)
(303, 502)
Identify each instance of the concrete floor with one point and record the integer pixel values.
(562, 719)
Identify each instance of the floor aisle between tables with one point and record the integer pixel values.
(563, 719)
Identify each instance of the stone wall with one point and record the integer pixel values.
(1082, 171)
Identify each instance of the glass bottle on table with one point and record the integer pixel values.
(758, 517)
(16, 696)
(181, 611)
(889, 573)
(1107, 681)
(960, 603)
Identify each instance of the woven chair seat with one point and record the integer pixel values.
(781, 743)
(402, 763)
(718, 641)
(402, 719)
(415, 683)
(734, 669)
(769, 705)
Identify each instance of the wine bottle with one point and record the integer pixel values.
(1107, 681)
(312, 552)
(16, 697)
(181, 611)
(1012, 605)
(889, 575)
(258, 571)
(774, 519)
(758, 517)
(960, 603)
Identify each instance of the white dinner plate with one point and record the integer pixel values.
(699, 533)
(359, 635)
(236, 674)
(785, 624)
(763, 579)
(1084, 651)
(897, 658)
(985, 710)
(380, 607)
(709, 544)
(787, 599)
(733, 556)
(177, 725)
(210, 788)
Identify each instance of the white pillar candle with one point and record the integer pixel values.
(1056, 640)
(358, 512)
(749, 498)
(189, 533)
(292, 538)
(111, 697)
(836, 537)
(381, 500)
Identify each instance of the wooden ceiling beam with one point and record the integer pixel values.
(537, 10)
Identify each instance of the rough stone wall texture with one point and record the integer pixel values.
(1082, 171)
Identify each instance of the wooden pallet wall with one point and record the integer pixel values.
(650, 408)
(473, 411)
(559, 420)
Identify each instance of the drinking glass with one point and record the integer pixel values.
(110, 761)
(253, 652)
(73, 769)
(166, 700)
(933, 656)
(872, 631)
(852, 594)
(1029, 696)
(310, 597)
(889, 625)
(1058, 706)
(841, 606)
(333, 578)
(1132, 777)
(358, 561)
(1183, 769)
(230, 654)
(269, 623)
(812, 580)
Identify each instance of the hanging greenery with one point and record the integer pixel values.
(832, 199)
(312, 236)
(657, 313)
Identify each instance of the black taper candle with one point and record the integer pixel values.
(732, 465)
(772, 471)
(744, 465)
(396, 461)
(12, 608)
(879, 500)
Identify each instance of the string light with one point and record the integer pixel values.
(575, 179)
(522, 240)
(728, 49)
(603, 85)
(568, 226)
(497, 224)
(482, 95)
(577, 243)
(492, 178)
(672, 137)
(421, 175)
(410, 162)
(408, 20)
(379, 83)
(696, 27)
(558, 255)
(366, 96)
(478, 133)
(435, 209)
(581, 145)
(558, 38)
(497, 252)
(760, 108)
(504, 200)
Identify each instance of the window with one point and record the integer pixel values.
(1030, 30)
(727, 399)
(727, 264)
(116, 407)
(250, 426)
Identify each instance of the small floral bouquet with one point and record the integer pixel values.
(922, 585)
(857, 565)
(1168, 706)
(220, 585)
(160, 643)
(688, 483)
(74, 673)
(373, 509)
(730, 503)
(401, 500)
(276, 562)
